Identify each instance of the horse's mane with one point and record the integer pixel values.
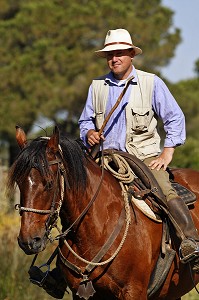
(33, 155)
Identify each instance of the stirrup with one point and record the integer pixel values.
(46, 281)
(189, 257)
(194, 252)
(37, 276)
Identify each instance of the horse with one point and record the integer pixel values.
(89, 205)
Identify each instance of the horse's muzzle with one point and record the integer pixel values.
(33, 245)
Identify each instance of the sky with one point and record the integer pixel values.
(186, 18)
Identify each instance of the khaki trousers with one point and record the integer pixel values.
(162, 178)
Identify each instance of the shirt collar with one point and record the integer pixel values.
(110, 79)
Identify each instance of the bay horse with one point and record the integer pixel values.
(126, 276)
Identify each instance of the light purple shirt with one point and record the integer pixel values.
(163, 104)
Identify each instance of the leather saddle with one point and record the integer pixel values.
(146, 185)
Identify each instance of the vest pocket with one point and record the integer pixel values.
(141, 118)
(145, 146)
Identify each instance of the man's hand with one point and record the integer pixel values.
(93, 137)
(163, 160)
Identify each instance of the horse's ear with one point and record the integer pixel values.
(20, 137)
(53, 143)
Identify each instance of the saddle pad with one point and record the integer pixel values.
(188, 196)
(143, 206)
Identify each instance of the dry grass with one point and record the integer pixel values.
(14, 278)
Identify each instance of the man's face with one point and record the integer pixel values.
(120, 62)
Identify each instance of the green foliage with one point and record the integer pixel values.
(187, 95)
(197, 67)
(187, 156)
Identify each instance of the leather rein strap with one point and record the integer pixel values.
(63, 234)
(96, 260)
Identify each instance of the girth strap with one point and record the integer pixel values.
(109, 242)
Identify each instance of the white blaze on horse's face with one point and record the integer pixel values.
(35, 199)
(30, 181)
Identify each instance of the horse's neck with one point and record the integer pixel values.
(103, 199)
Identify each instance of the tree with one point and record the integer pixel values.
(197, 67)
(187, 156)
(187, 94)
(46, 53)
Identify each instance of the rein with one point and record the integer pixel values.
(86, 287)
(63, 234)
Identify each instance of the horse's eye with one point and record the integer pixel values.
(49, 185)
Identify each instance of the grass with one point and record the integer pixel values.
(14, 278)
(193, 295)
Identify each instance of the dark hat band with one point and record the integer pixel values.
(115, 43)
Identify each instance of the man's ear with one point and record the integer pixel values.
(132, 53)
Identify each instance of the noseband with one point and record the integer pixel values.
(53, 212)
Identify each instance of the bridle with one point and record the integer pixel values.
(54, 211)
(62, 182)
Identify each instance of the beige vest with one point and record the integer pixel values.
(142, 138)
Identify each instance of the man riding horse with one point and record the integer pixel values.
(132, 127)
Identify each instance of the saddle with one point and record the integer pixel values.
(145, 186)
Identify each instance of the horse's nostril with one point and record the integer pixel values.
(36, 242)
(37, 239)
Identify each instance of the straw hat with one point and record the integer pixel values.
(117, 39)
